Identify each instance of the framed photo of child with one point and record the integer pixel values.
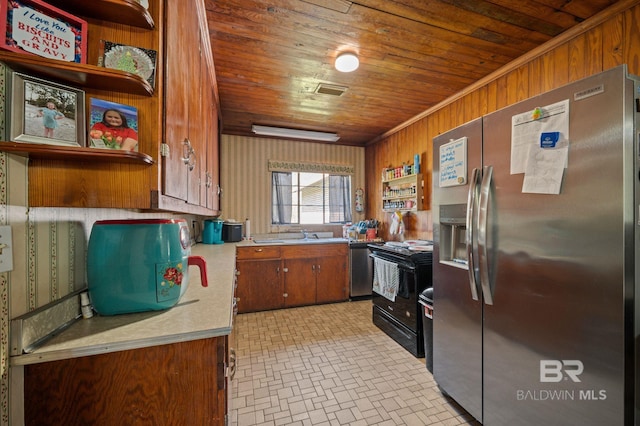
(44, 112)
(113, 125)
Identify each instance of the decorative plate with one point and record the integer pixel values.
(130, 59)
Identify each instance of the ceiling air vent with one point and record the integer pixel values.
(330, 89)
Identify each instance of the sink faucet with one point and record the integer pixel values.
(305, 233)
(315, 236)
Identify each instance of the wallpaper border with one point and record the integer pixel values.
(298, 166)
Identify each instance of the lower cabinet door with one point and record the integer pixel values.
(300, 282)
(260, 286)
(167, 385)
(332, 279)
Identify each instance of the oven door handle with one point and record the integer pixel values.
(401, 265)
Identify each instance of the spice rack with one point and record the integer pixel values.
(402, 193)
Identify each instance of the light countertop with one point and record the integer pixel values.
(290, 241)
(202, 312)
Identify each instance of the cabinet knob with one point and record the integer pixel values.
(258, 250)
(285, 269)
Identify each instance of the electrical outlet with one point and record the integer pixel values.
(6, 249)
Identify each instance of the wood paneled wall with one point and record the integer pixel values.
(606, 41)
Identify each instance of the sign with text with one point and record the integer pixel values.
(453, 163)
(38, 28)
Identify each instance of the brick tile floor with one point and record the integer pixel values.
(329, 365)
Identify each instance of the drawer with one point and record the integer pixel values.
(258, 252)
(304, 251)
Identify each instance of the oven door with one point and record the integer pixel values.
(404, 307)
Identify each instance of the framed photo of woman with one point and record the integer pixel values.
(113, 125)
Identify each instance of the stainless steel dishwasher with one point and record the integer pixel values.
(361, 269)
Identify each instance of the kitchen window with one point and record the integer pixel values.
(310, 198)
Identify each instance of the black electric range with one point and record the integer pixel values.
(400, 316)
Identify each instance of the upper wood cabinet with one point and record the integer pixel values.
(182, 83)
(191, 117)
(168, 114)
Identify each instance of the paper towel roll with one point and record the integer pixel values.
(247, 229)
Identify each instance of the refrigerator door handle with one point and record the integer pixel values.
(470, 234)
(483, 217)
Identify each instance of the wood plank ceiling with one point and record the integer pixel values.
(272, 55)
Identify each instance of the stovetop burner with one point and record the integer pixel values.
(407, 248)
(417, 251)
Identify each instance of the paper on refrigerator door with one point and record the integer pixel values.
(544, 171)
(527, 127)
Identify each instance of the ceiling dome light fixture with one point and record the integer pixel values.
(347, 62)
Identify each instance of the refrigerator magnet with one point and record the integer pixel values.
(537, 114)
(549, 139)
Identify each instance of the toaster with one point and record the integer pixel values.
(231, 232)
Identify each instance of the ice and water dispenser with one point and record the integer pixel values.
(453, 226)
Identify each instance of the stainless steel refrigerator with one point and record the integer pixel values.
(536, 217)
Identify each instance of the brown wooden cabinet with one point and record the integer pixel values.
(316, 273)
(174, 384)
(190, 114)
(209, 169)
(259, 274)
(172, 111)
(332, 278)
(291, 275)
(259, 285)
(300, 282)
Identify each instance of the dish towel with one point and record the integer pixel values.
(385, 278)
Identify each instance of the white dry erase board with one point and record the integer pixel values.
(453, 163)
